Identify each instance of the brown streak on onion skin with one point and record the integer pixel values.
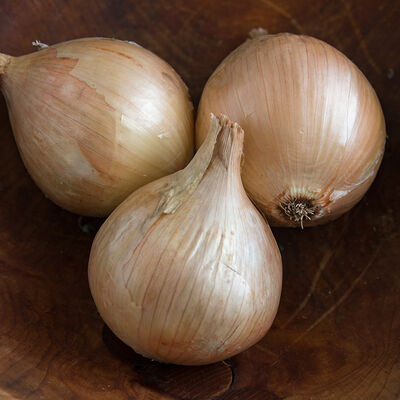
(120, 53)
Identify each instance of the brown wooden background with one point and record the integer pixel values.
(337, 333)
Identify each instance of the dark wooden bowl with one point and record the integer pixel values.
(337, 332)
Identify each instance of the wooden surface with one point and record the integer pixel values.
(337, 332)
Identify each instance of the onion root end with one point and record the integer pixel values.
(298, 209)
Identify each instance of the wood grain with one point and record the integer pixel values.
(337, 333)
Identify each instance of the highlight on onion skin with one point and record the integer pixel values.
(315, 131)
(94, 119)
(186, 270)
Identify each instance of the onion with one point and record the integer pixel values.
(186, 270)
(315, 132)
(94, 119)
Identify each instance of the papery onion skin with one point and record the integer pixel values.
(315, 131)
(186, 270)
(94, 119)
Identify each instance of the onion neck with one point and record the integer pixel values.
(229, 146)
(225, 142)
(4, 60)
(258, 32)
